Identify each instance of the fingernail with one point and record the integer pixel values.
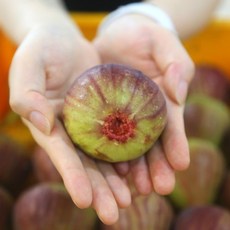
(40, 122)
(181, 93)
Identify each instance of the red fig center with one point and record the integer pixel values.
(118, 126)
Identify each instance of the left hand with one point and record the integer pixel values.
(139, 42)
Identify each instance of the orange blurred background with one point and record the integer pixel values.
(210, 46)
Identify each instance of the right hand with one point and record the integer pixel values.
(159, 54)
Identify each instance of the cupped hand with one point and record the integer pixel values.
(43, 68)
(139, 42)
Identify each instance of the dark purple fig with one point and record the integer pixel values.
(211, 81)
(206, 118)
(200, 183)
(145, 212)
(44, 168)
(48, 206)
(6, 205)
(207, 217)
(114, 112)
(15, 164)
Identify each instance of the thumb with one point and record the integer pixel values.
(176, 81)
(175, 63)
(27, 83)
(36, 108)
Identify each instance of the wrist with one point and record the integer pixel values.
(20, 17)
(148, 10)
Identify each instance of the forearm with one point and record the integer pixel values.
(18, 17)
(188, 16)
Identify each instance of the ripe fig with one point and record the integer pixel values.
(15, 164)
(145, 212)
(211, 81)
(114, 112)
(200, 183)
(6, 206)
(207, 217)
(48, 206)
(206, 118)
(44, 169)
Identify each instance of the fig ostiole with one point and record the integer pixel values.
(114, 112)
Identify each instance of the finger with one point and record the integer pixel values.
(162, 174)
(64, 156)
(122, 168)
(27, 89)
(103, 199)
(140, 175)
(174, 138)
(117, 185)
(175, 63)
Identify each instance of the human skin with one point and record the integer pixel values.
(39, 78)
(158, 52)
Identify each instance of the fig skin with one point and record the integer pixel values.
(44, 169)
(15, 164)
(200, 183)
(211, 81)
(206, 118)
(146, 212)
(48, 206)
(203, 218)
(114, 112)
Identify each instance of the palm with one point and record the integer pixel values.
(44, 67)
(146, 46)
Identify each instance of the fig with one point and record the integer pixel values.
(206, 118)
(211, 81)
(200, 183)
(114, 112)
(47, 206)
(204, 217)
(44, 168)
(145, 212)
(6, 206)
(15, 164)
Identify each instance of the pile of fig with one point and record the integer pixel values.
(115, 113)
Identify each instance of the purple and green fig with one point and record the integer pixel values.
(206, 118)
(200, 183)
(145, 212)
(44, 169)
(15, 164)
(204, 217)
(210, 80)
(48, 206)
(114, 112)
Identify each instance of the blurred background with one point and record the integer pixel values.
(25, 167)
